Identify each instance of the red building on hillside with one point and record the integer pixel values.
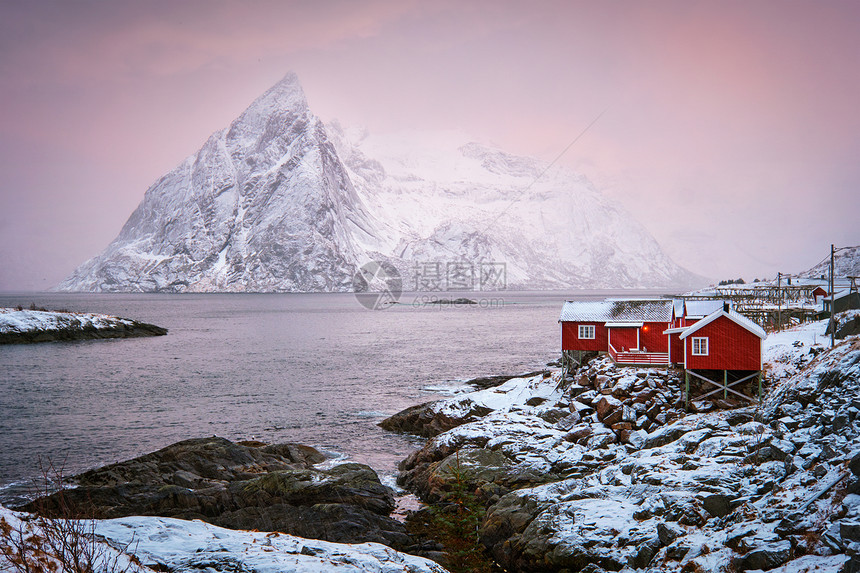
(704, 337)
(723, 350)
(724, 340)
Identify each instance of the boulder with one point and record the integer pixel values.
(854, 464)
(426, 421)
(607, 405)
(239, 486)
(599, 532)
(578, 433)
(668, 533)
(766, 556)
(717, 504)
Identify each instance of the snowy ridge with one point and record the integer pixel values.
(161, 543)
(24, 326)
(846, 264)
(278, 201)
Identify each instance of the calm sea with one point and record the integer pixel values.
(318, 369)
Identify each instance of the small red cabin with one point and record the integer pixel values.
(724, 340)
(631, 331)
(818, 294)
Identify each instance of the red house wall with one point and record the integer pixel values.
(570, 337)
(730, 347)
(651, 337)
(623, 339)
(677, 354)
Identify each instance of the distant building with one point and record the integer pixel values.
(842, 300)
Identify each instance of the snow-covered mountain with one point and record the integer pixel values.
(279, 201)
(846, 264)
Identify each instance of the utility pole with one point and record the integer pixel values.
(832, 299)
(779, 301)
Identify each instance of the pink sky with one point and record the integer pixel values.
(730, 129)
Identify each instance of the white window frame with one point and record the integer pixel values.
(585, 330)
(700, 345)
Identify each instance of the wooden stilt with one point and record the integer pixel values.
(686, 390)
(725, 388)
(725, 384)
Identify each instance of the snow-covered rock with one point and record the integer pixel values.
(166, 544)
(176, 545)
(280, 202)
(715, 491)
(18, 326)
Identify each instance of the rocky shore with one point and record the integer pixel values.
(215, 505)
(20, 326)
(606, 470)
(238, 486)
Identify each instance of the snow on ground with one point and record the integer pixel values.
(12, 320)
(166, 544)
(513, 393)
(785, 352)
(17, 525)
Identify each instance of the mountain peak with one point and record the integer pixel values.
(285, 96)
(288, 86)
(272, 204)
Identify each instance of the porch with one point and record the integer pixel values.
(637, 357)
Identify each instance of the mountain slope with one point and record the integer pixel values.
(846, 264)
(280, 202)
(450, 200)
(265, 205)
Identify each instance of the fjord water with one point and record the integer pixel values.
(318, 369)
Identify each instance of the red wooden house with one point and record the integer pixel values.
(705, 337)
(724, 340)
(723, 347)
(631, 331)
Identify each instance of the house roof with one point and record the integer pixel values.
(731, 315)
(840, 293)
(620, 310)
(700, 308)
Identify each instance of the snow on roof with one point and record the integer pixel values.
(619, 310)
(678, 306)
(731, 315)
(840, 293)
(693, 308)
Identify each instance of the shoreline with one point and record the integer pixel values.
(560, 479)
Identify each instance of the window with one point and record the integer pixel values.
(586, 331)
(700, 346)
